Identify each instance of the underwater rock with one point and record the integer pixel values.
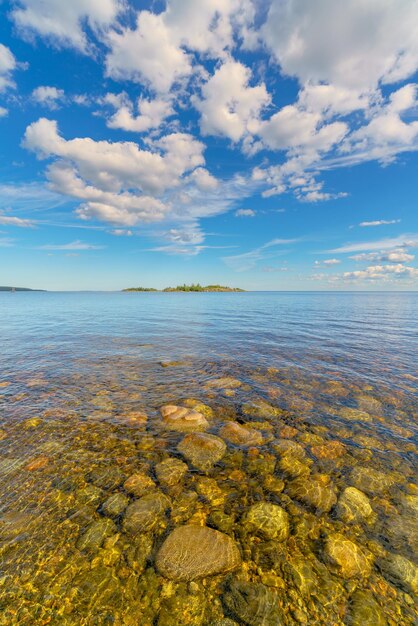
(253, 603)
(89, 495)
(371, 481)
(302, 574)
(132, 418)
(183, 507)
(204, 409)
(293, 467)
(182, 608)
(260, 409)
(221, 521)
(182, 419)
(353, 506)
(268, 520)
(364, 610)
(287, 447)
(93, 537)
(241, 435)
(191, 552)
(356, 415)
(330, 450)
(202, 450)
(313, 492)
(398, 569)
(170, 472)
(139, 484)
(115, 505)
(226, 382)
(40, 462)
(209, 489)
(347, 558)
(146, 513)
(106, 477)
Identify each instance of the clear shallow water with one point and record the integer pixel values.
(328, 384)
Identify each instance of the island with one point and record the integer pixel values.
(189, 288)
(19, 289)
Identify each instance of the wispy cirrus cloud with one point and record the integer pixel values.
(73, 245)
(378, 223)
(248, 260)
(407, 240)
(10, 220)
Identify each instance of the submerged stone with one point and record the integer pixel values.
(191, 552)
(347, 558)
(93, 537)
(182, 419)
(115, 505)
(170, 472)
(182, 608)
(139, 484)
(371, 481)
(146, 513)
(268, 520)
(241, 435)
(400, 570)
(260, 409)
(364, 610)
(254, 604)
(353, 506)
(313, 492)
(107, 477)
(202, 450)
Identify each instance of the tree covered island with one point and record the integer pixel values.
(194, 287)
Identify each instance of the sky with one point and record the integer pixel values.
(263, 144)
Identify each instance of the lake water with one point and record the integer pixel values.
(283, 493)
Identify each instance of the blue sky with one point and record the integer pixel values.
(261, 144)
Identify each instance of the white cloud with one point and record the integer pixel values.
(328, 262)
(3, 112)
(203, 179)
(248, 260)
(244, 213)
(379, 223)
(48, 96)
(383, 273)
(328, 41)
(9, 220)
(62, 21)
(394, 256)
(73, 245)
(151, 113)
(407, 240)
(121, 232)
(7, 66)
(230, 107)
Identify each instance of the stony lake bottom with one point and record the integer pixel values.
(208, 459)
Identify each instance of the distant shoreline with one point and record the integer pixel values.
(194, 288)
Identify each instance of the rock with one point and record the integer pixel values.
(356, 415)
(241, 435)
(184, 507)
(371, 481)
(115, 505)
(106, 477)
(253, 604)
(204, 409)
(93, 537)
(293, 467)
(398, 569)
(89, 495)
(226, 382)
(145, 514)
(287, 447)
(353, 506)
(182, 419)
(301, 573)
(364, 610)
(260, 409)
(346, 557)
(313, 492)
(331, 450)
(221, 521)
(182, 608)
(132, 418)
(191, 552)
(139, 484)
(202, 450)
(40, 462)
(171, 472)
(268, 520)
(210, 491)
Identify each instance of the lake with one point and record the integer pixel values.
(208, 459)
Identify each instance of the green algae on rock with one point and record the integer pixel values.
(192, 552)
(364, 610)
(313, 492)
(348, 559)
(353, 506)
(145, 514)
(268, 520)
(253, 603)
(170, 472)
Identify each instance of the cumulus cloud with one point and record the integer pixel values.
(394, 256)
(121, 232)
(7, 66)
(396, 271)
(48, 96)
(3, 112)
(150, 113)
(328, 41)
(328, 262)
(62, 22)
(229, 106)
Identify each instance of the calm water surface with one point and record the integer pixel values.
(296, 462)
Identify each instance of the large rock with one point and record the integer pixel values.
(346, 557)
(139, 484)
(371, 481)
(314, 492)
(182, 419)
(398, 569)
(253, 604)
(191, 552)
(93, 537)
(202, 450)
(364, 610)
(268, 520)
(353, 506)
(146, 513)
(115, 505)
(170, 472)
(241, 435)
